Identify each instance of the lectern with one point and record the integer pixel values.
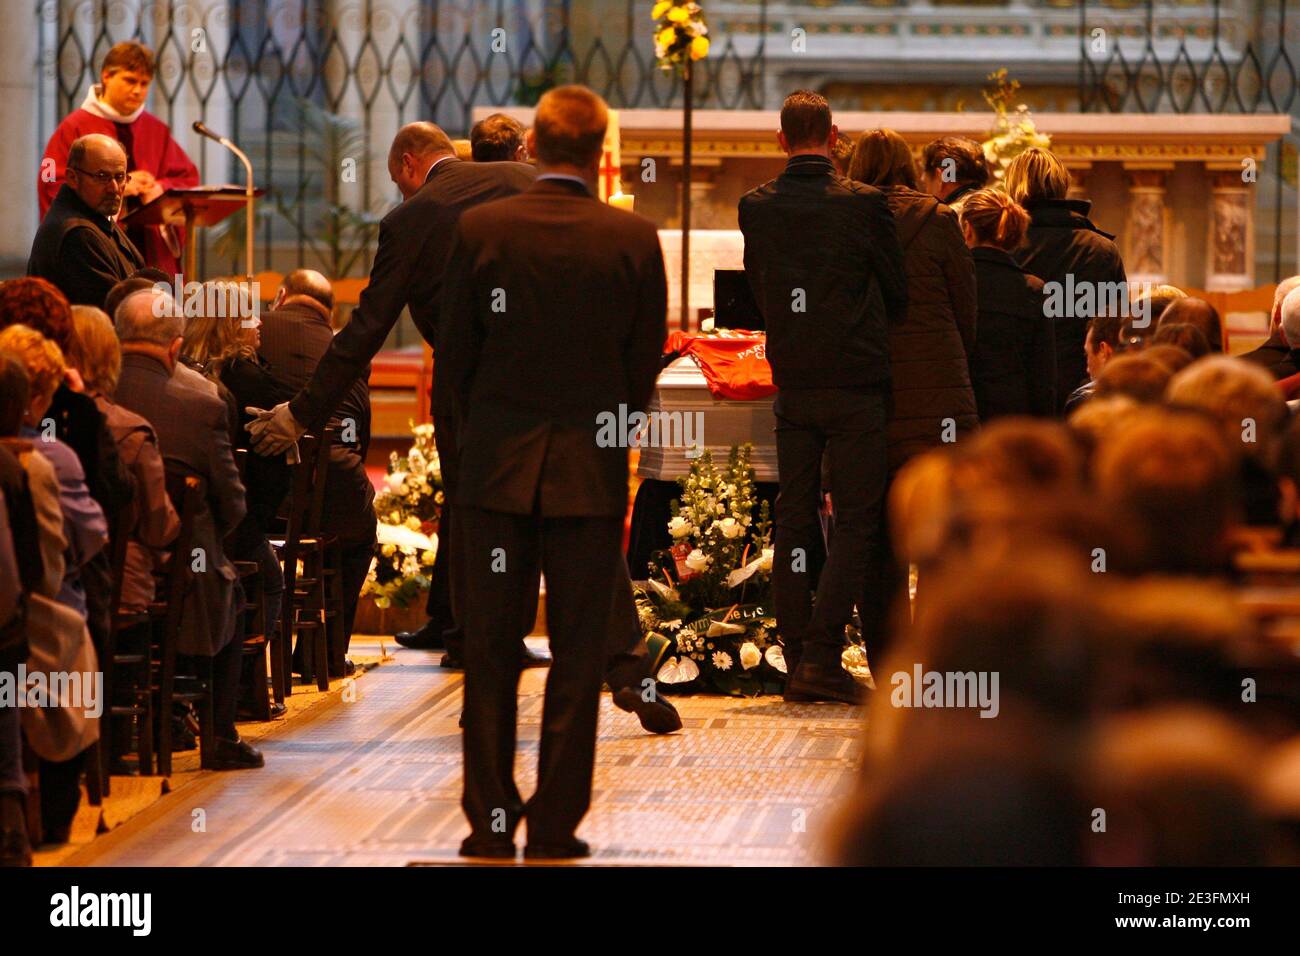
(191, 208)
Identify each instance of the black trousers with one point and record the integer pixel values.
(503, 555)
(883, 606)
(848, 426)
(445, 587)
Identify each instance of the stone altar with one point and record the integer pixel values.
(1178, 190)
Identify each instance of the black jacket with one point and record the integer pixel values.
(1275, 356)
(1014, 370)
(553, 318)
(293, 341)
(928, 351)
(827, 272)
(1062, 241)
(80, 251)
(408, 271)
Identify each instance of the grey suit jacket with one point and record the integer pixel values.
(194, 439)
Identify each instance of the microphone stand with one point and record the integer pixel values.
(248, 195)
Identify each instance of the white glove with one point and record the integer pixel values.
(275, 430)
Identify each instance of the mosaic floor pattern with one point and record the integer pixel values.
(376, 780)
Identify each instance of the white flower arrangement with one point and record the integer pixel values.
(408, 506)
(702, 609)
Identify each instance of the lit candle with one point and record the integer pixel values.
(622, 200)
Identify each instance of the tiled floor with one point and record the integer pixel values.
(376, 781)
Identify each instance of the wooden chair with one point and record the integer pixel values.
(313, 599)
(256, 639)
(187, 492)
(131, 669)
(255, 642)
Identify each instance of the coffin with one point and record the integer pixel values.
(687, 414)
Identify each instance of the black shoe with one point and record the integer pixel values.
(349, 669)
(452, 661)
(531, 658)
(657, 716)
(235, 755)
(15, 850)
(494, 849)
(571, 849)
(427, 638)
(822, 682)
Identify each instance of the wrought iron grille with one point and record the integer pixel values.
(304, 84)
(1237, 60)
(1200, 67)
(300, 80)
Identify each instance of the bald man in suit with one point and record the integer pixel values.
(414, 240)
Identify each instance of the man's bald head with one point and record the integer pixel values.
(309, 287)
(569, 129)
(1290, 321)
(96, 172)
(415, 148)
(1284, 288)
(95, 147)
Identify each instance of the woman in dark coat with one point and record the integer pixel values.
(928, 349)
(1014, 370)
(1061, 241)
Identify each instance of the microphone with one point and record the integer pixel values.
(202, 130)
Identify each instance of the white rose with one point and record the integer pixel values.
(697, 560)
(679, 527)
(396, 481)
(749, 655)
(731, 528)
(776, 657)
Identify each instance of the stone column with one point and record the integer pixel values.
(1147, 228)
(20, 152)
(1230, 256)
(1079, 173)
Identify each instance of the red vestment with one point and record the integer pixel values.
(149, 146)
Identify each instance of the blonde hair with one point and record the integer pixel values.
(209, 340)
(1036, 174)
(96, 352)
(42, 359)
(995, 218)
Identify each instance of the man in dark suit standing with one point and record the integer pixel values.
(79, 246)
(827, 272)
(408, 271)
(194, 438)
(553, 312)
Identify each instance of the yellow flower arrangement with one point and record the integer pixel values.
(681, 35)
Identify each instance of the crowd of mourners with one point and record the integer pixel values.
(105, 410)
(1098, 569)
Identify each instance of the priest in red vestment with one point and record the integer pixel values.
(155, 162)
